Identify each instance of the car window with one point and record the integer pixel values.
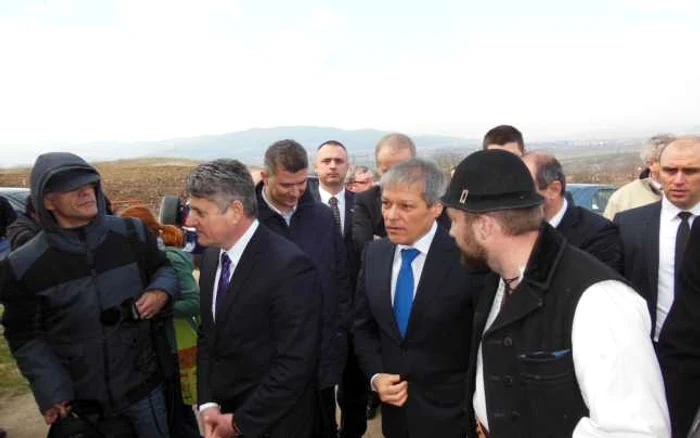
(600, 199)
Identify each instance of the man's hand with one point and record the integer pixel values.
(56, 412)
(210, 418)
(151, 302)
(391, 389)
(224, 427)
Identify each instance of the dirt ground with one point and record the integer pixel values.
(20, 418)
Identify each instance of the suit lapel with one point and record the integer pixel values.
(650, 243)
(241, 273)
(382, 297)
(438, 263)
(349, 206)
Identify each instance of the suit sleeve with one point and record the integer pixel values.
(362, 230)
(364, 329)
(295, 327)
(606, 246)
(342, 268)
(22, 320)
(679, 344)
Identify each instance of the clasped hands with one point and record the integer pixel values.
(391, 389)
(216, 424)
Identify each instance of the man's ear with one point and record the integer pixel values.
(436, 209)
(555, 190)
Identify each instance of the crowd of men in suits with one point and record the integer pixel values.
(486, 306)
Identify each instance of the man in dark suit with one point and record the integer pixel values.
(414, 309)
(581, 228)
(287, 208)
(679, 344)
(654, 236)
(331, 165)
(259, 343)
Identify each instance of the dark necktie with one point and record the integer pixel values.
(681, 243)
(333, 202)
(224, 276)
(403, 295)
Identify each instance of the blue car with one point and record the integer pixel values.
(593, 197)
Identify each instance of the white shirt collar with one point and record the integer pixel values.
(669, 212)
(556, 219)
(326, 195)
(422, 244)
(236, 251)
(286, 216)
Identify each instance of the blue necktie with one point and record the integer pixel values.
(224, 276)
(403, 295)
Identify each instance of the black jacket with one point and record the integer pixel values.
(639, 234)
(259, 358)
(313, 229)
(433, 356)
(529, 377)
(56, 288)
(679, 343)
(593, 234)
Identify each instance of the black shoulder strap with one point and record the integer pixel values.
(134, 242)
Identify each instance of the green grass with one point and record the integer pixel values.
(11, 381)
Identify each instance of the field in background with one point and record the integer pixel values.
(128, 182)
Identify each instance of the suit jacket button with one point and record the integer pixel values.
(515, 416)
(507, 341)
(508, 380)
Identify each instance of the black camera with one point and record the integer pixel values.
(126, 311)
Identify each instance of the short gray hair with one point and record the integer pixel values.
(417, 170)
(223, 182)
(653, 147)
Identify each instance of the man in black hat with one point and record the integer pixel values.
(562, 345)
(81, 299)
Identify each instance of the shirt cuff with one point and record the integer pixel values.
(204, 406)
(371, 382)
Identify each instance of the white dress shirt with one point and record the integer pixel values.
(423, 246)
(556, 219)
(286, 216)
(668, 229)
(326, 196)
(234, 254)
(615, 365)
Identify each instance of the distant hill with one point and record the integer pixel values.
(249, 146)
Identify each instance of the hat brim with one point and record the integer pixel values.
(495, 204)
(69, 181)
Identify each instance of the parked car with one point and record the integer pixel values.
(17, 197)
(593, 197)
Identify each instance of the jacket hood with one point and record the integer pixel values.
(47, 166)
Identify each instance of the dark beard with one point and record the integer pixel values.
(474, 262)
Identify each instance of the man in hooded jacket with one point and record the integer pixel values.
(78, 299)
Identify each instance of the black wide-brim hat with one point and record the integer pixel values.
(491, 180)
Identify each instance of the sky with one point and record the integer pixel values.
(78, 71)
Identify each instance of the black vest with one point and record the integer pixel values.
(529, 378)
